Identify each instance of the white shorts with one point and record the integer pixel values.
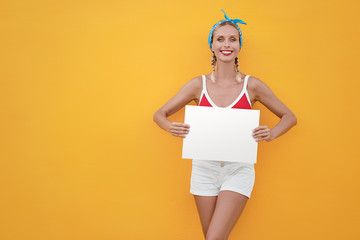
(208, 178)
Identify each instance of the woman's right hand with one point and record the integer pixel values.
(179, 129)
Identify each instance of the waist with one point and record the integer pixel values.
(223, 163)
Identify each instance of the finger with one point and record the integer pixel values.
(261, 133)
(262, 127)
(179, 128)
(259, 128)
(184, 125)
(260, 139)
(178, 135)
(179, 131)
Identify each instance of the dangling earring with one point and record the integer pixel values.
(238, 75)
(213, 64)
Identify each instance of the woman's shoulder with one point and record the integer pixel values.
(196, 80)
(254, 82)
(192, 87)
(258, 88)
(195, 83)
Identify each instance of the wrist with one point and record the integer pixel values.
(272, 135)
(168, 126)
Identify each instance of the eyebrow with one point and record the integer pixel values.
(223, 35)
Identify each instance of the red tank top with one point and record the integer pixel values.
(242, 101)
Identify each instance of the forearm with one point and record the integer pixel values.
(285, 124)
(161, 120)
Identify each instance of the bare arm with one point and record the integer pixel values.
(264, 95)
(185, 95)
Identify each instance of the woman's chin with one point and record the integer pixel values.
(226, 60)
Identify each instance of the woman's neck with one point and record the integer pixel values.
(225, 72)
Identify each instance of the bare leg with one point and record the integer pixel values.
(205, 206)
(229, 207)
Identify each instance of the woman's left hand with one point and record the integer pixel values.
(263, 132)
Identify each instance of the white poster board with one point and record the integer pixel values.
(221, 134)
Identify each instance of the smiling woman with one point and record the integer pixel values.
(221, 189)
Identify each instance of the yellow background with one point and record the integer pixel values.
(81, 158)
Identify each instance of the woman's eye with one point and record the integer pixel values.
(219, 39)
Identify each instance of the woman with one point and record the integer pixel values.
(221, 189)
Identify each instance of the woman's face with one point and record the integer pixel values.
(226, 45)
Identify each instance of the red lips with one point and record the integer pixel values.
(226, 52)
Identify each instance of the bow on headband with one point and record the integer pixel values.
(234, 21)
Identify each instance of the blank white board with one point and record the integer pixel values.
(221, 134)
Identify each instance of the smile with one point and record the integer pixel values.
(226, 52)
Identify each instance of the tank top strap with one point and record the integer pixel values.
(246, 82)
(204, 82)
(245, 90)
(202, 94)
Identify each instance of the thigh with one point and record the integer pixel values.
(229, 206)
(205, 206)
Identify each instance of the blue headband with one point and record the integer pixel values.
(234, 21)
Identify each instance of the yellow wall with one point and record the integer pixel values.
(81, 158)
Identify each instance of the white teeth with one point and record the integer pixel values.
(226, 52)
